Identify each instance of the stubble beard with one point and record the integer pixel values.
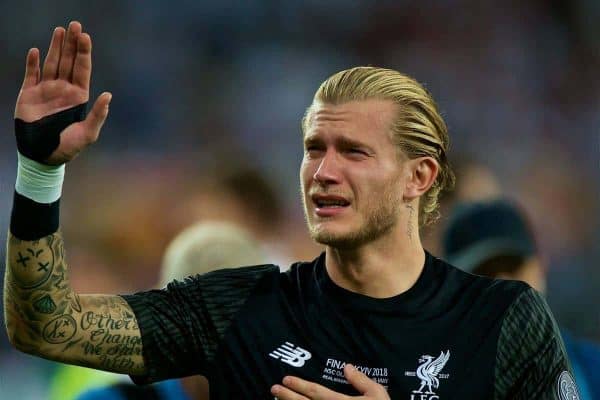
(381, 217)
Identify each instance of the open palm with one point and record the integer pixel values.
(62, 84)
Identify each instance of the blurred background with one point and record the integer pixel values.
(204, 124)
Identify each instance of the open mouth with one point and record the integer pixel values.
(329, 205)
(325, 203)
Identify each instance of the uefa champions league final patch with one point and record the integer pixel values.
(566, 387)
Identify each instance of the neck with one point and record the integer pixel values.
(383, 268)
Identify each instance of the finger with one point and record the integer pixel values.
(67, 57)
(96, 117)
(32, 68)
(283, 393)
(311, 390)
(50, 70)
(82, 68)
(360, 381)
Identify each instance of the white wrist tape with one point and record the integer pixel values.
(39, 182)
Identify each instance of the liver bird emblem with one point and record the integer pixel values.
(429, 369)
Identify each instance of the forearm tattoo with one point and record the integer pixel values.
(45, 317)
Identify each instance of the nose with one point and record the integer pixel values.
(329, 170)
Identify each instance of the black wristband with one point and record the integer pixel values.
(30, 220)
(38, 139)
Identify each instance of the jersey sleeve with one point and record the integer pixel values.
(182, 325)
(531, 360)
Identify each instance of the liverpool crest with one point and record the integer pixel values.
(429, 372)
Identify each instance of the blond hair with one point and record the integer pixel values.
(418, 131)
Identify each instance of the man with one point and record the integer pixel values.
(374, 315)
(200, 248)
(493, 238)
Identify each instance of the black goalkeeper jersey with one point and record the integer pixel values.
(453, 335)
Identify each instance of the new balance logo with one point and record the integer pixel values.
(290, 355)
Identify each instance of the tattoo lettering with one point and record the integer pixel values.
(103, 336)
(32, 266)
(113, 344)
(44, 316)
(94, 349)
(45, 305)
(100, 322)
(108, 334)
(60, 330)
(116, 363)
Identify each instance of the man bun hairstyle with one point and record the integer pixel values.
(418, 129)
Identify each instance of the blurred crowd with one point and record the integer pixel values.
(205, 125)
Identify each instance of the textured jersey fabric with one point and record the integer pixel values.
(531, 354)
(452, 335)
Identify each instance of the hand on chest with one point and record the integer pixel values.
(409, 362)
(421, 378)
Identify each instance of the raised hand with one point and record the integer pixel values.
(64, 83)
(294, 388)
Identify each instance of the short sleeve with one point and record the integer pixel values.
(181, 326)
(531, 361)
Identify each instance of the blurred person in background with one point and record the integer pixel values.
(374, 165)
(475, 181)
(240, 194)
(199, 249)
(494, 238)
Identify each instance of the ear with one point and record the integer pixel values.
(421, 172)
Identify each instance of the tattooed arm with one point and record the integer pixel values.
(45, 317)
